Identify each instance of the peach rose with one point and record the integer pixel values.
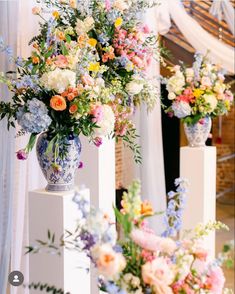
(58, 103)
(109, 262)
(73, 108)
(158, 274)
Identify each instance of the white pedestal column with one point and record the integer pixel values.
(98, 174)
(56, 212)
(198, 165)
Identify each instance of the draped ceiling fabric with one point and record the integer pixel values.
(199, 38)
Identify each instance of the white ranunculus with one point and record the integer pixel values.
(176, 83)
(58, 80)
(171, 96)
(211, 99)
(106, 124)
(135, 86)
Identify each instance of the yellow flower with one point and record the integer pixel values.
(227, 104)
(129, 66)
(118, 22)
(56, 14)
(94, 66)
(197, 93)
(92, 42)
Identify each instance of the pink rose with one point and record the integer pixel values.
(107, 5)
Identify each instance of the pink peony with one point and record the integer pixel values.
(61, 61)
(215, 280)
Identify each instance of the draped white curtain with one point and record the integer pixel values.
(148, 125)
(223, 9)
(17, 27)
(199, 38)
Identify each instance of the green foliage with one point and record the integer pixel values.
(46, 288)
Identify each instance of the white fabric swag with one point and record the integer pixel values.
(199, 38)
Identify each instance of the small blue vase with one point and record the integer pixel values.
(198, 133)
(59, 172)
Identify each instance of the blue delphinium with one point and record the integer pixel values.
(33, 117)
(28, 81)
(82, 203)
(173, 215)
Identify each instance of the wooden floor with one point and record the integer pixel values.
(225, 213)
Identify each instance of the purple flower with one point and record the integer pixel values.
(22, 154)
(80, 165)
(98, 141)
(88, 240)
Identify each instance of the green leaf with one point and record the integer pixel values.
(68, 38)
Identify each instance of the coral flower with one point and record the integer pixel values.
(58, 103)
(73, 108)
(36, 10)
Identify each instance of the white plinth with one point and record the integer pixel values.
(56, 212)
(198, 165)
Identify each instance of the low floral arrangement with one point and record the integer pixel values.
(86, 73)
(198, 91)
(140, 262)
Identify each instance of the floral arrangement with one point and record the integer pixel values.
(140, 262)
(86, 73)
(198, 91)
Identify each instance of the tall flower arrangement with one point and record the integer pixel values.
(140, 262)
(86, 73)
(198, 91)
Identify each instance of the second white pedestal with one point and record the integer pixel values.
(56, 212)
(198, 165)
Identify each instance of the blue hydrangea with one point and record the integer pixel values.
(181, 109)
(28, 81)
(33, 117)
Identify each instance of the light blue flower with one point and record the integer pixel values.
(33, 117)
(181, 109)
(112, 288)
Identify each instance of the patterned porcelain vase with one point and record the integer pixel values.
(61, 177)
(198, 133)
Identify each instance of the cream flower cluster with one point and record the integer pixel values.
(58, 79)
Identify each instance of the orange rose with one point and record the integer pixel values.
(58, 103)
(146, 208)
(73, 108)
(70, 96)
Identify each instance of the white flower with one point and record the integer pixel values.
(58, 79)
(211, 100)
(135, 86)
(171, 96)
(189, 72)
(84, 26)
(106, 124)
(176, 83)
(219, 88)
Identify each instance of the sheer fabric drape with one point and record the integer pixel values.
(17, 26)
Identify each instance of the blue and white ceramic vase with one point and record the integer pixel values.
(59, 172)
(198, 133)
